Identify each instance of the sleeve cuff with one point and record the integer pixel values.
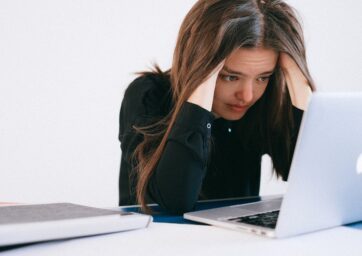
(194, 115)
(297, 115)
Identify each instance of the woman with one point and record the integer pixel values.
(236, 90)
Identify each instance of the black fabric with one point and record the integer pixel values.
(202, 159)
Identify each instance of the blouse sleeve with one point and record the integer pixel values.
(133, 113)
(297, 117)
(177, 179)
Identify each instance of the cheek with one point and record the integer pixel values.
(222, 92)
(259, 92)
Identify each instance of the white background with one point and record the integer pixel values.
(64, 66)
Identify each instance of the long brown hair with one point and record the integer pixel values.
(210, 32)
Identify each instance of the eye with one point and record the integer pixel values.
(228, 78)
(263, 79)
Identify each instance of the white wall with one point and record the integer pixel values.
(65, 64)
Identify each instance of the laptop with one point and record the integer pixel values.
(325, 179)
(24, 224)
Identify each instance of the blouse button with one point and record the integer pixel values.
(229, 129)
(208, 125)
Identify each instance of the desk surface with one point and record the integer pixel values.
(190, 239)
(175, 239)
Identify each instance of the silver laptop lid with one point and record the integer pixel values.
(325, 181)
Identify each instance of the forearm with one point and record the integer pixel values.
(204, 94)
(298, 87)
(177, 179)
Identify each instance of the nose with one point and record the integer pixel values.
(245, 93)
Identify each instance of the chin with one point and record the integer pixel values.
(228, 113)
(231, 116)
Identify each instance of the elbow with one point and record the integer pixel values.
(175, 196)
(178, 206)
(173, 201)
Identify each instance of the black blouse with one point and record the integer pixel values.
(202, 158)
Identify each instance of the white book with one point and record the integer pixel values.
(21, 224)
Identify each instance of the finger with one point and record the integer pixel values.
(218, 68)
(286, 61)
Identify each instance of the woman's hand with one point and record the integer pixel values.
(298, 86)
(204, 93)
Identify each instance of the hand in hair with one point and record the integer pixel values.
(204, 93)
(299, 89)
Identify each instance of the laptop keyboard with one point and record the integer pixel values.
(267, 219)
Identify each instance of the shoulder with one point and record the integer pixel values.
(149, 95)
(146, 83)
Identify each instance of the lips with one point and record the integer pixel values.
(237, 108)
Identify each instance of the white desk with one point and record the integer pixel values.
(182, 239)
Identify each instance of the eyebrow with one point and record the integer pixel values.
(230, 71)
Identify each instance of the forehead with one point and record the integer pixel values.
(252, 61)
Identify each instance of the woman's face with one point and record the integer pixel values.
(242, 81)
